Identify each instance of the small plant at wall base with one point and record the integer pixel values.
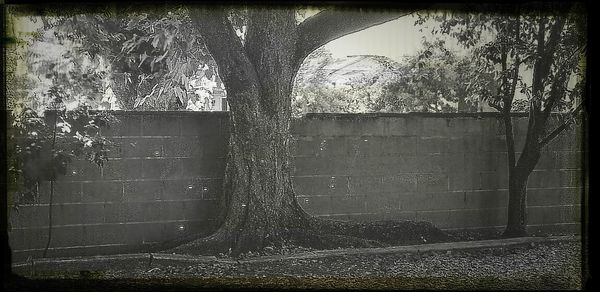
(43, 147)
(524, 47)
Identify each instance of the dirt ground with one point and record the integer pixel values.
(550, 265)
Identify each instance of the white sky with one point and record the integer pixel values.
(394, 39)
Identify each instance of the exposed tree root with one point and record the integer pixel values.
(319, 234)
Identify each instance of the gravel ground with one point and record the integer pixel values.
(554, 265)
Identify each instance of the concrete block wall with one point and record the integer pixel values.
(162, 181)
(164, 178)
(449, 169)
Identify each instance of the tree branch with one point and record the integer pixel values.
(329, 25)
(235, 69)
(559, 129)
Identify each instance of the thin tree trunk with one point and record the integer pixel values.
(517, 204)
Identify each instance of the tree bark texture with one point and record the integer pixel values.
(259, 207)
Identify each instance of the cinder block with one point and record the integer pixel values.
(492, 180)
(80, 170)
(92, 213)
(569, 140)
(153, 211)
(570, 178)
(365, 184)
(128, 125)
(491, 127)
(164, 168)
(382, 202)
(209, 189)
(432, 182)
(535, 215)
(387, 165)
(112, 213)
(413, 126)
(200, 210)
(142, 191)
(435, 126)
(141, 147)
(550, 197)
(29, 216)
(132, 212)
(35, 238)
(401, 183)
(432, 163)
(374, 127)
(544, 179)
(569, 160)
(153, 232)
(397, 126)
(203, 126)
(329, 147)
(64, 192)
(67, 236)
(428, 145)
(102, 234)
(102, 191)
(64, 214)
(298, 126)
(464, 180)
(320, 166)
(473, 143)
(411, 201)
(320, 185)
(485, 199)
(215, 146)
(191, 168)
(444, 201)
(484, 161)
(134, 233)
(16, 240)
(122, 169)
(301, 146)
(330, 127)
(172, 210)
(370, 146)
(316, 205)
(348, 204)
(495, 144)
(187, 146)
(161, 125)
(546, 161)
(399, 145)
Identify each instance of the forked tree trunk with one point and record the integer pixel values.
(259, 205)
(518, 176)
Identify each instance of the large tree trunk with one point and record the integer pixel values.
(259, 206)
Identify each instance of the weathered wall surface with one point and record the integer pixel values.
(164, 179)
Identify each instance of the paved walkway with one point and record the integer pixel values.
(92, 261)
